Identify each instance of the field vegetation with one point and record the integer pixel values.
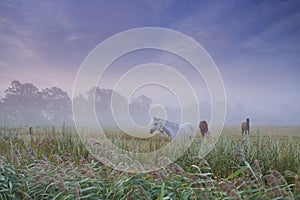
(53, 163)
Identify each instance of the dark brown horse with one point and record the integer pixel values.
(245, 127)
(203, 128)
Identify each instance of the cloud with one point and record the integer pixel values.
(276, 36)
(15, 42)
(254, 44)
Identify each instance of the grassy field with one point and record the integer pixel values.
(54, 164)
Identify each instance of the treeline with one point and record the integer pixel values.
(24, 103)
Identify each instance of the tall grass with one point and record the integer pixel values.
(56, 165)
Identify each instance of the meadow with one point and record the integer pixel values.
(53, 163)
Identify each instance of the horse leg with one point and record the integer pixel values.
(202, 132)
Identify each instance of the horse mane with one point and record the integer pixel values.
(169, 127)
(167, 121)
(175, 125)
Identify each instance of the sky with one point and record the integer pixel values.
(254, 44)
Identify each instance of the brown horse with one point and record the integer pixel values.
(245, 127)
(203, 128)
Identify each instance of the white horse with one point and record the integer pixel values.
(172, 129)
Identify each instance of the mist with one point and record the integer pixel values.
(26, 104)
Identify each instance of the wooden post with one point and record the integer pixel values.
(30, 134)
(30, 131)
(248, 125)
(53, 130)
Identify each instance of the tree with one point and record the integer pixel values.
(22, 103)
(25, 104)
(102, 99)
(57, 105)
(139, 109)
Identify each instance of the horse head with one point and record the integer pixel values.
(157, 125)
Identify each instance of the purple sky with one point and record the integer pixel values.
(255, 44)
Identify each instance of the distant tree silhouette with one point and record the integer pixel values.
(22, 103)
(139, 109)
(81, 103)
(81, 106)
(57, 105)
(25, 104)
(102, 99)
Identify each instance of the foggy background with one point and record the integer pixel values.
(26, 104)
(256, 46)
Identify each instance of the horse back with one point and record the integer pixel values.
(203, 127)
